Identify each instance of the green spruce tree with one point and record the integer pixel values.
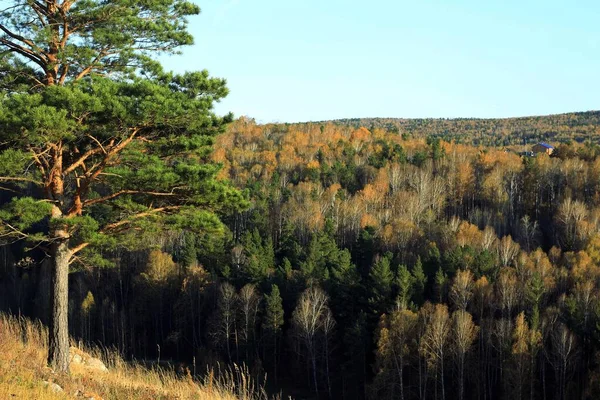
(419, 282)
(405, 283)
(381, 278)
(96, 141)
(273, 323)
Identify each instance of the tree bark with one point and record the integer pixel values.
(58, 343)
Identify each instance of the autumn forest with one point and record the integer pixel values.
(367, 264)
(349, 259)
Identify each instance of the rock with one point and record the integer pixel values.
(95, 363)
(82, 358)
(76, 359)
(53, 387)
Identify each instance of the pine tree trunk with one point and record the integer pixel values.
(275, 358)
(532, 378)
(58, 345)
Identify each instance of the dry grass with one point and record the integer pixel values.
(23, 370)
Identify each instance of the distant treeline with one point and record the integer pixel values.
(578, 126)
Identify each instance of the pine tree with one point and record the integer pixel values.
(441, 282)
(381, 278)
(344, 285)
(259, 257)
(405, 282)
(188, 256)
(419, 282)
(96, 141)
(310, 266)
(365, 250)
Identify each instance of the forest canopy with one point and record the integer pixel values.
(577, 127)
(358, 259)
(368, 265)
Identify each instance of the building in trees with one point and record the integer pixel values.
(543, 148)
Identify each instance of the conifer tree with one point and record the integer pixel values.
(405, 282)
(381, 278)
(273, 322)
(441, 282)
(345, 288)
(96, 141)
(419, 282)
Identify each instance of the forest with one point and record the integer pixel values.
(364, 265)
(355, 260)
(578, 127)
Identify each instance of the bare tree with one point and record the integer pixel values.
(501, 340)
(311, 318)
(488, 238)
(396, 343)
(461, 290)
(507, 291)
(562, 356)
(507, 250)
(526, 343)
(434, 341)
(402, 330)
(569, 216)
(328, 327)
(464, 333)
(528, 232)
(249, 302)
(397, 174)
(224, 319)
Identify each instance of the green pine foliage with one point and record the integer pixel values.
(381, 279)
(274, 314)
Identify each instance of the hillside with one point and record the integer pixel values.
(153, 248)
(397, 243)
(577, 126)
(24, 374)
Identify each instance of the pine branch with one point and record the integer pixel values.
(13, 231)
(11, 179)
(82, 159)
(118, 224)
(122, 192)
(78, 248)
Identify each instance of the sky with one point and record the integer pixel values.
(312, 60)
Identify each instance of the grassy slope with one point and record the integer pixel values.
(23, 371)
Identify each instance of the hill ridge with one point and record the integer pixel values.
(577, 126)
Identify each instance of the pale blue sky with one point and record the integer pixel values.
(290, 60)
